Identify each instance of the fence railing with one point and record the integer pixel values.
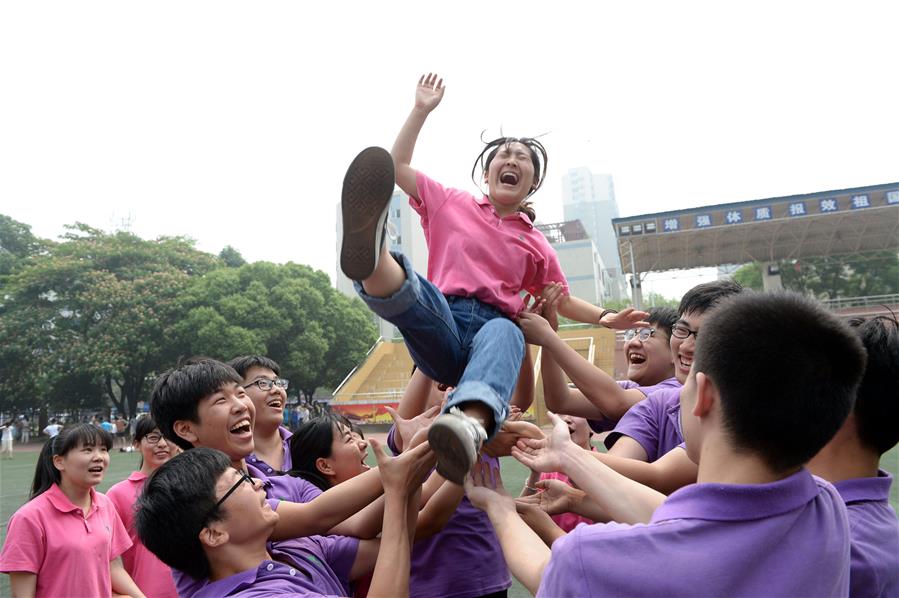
(868, 301)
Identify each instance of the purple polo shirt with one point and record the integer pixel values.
(787, 538)
(311, 566)
(874, 531)
(654, 422)
(462, 560)
(288, 463)
(604, 425)
(277, 488)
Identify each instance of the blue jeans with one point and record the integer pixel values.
(459, 341)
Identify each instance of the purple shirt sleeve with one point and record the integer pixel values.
(641, 422)
(340, 553)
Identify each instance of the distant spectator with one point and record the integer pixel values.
(26, 429)
(6, 436)
(52, 428)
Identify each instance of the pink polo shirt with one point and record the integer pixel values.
(473, 252)
(151, 575)
(70, 553)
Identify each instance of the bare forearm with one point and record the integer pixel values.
(579, 310)
(403, 148)
(523, 395)
(674, 470)
(597, 386)
(121, 581)
(543, 525)
(438, 510)
(525, 553)
(391, 575)
(625, 500)
(331, 508)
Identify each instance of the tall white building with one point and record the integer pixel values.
(579, 259)
(590, 198)
(410, 240)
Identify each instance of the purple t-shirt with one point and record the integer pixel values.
(874, 531)
(787, 538)
(654, 422)
(462, 560)
(604, 425)
(288, 463)
(311, 566)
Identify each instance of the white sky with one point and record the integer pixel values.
(233, 122)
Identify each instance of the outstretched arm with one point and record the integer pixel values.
(671, 471)
(581, 311)
(427, 96)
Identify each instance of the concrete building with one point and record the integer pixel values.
(409, 240)
(580, 260)
(590, 198)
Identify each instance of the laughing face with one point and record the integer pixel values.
(225, 422)
(682, 349)
(649, 361)
(155, 449)
(348, 453)
(269, 403)
(246, 512)
(510, 177)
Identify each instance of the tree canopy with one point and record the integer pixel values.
(99, 315)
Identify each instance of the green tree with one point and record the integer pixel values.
(750, 276)
(97, 306)
(16, 244)
(288, 312)
(231, 257)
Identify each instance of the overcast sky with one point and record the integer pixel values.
(233, 122)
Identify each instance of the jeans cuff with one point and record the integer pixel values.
(402, 300)
(479, 392)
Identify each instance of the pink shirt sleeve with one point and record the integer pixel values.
(25, 545)
(119, 541)
(551, 270)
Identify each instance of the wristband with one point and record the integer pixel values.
(604, 313)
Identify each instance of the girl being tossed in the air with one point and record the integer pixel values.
(458, 323)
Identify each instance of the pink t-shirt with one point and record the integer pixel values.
(566, 521)
(473, 252)
(151, 575)
(69, 553)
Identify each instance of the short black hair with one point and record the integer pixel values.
(786, 369)
(178, 392)
(145, 425)
(663, 318)
(242, 364)
(705, 296)
(45, 473)
(177, 501)
(877, 401)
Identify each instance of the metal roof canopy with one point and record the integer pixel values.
(827, 223)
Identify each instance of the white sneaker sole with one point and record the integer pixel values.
(452, 443)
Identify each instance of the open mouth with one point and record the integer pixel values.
(362, 461)
(508, 178)
(685, 362)
(636, 358)
(275, 403)
(96, 469)
(241, 428)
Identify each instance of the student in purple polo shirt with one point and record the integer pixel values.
(650, 428)
(202, 403)
(263, 382)
(197, 515)
(757, 522)
(851, 460)
(597, 396)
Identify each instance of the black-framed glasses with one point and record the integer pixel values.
(153, 438)
(641, 333)
(244, 477)
(681, 331)
(266, 384)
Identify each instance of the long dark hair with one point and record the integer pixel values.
(45, 473)
(310, 441)
(538, 158)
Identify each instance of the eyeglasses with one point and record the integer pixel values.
(244, 477)
(641, 333)
(266, 384)
(153, 438)
(681, 331)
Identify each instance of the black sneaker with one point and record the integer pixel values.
(456, 439)
(367, 189)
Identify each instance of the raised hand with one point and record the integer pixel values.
(536, 329)
(553, 496)
(484, 488)
(404, 473)
(545, 455)
(511, 432)
(429, 92)
(406, 429)
(626, 318)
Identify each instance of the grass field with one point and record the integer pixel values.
(16, 476)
